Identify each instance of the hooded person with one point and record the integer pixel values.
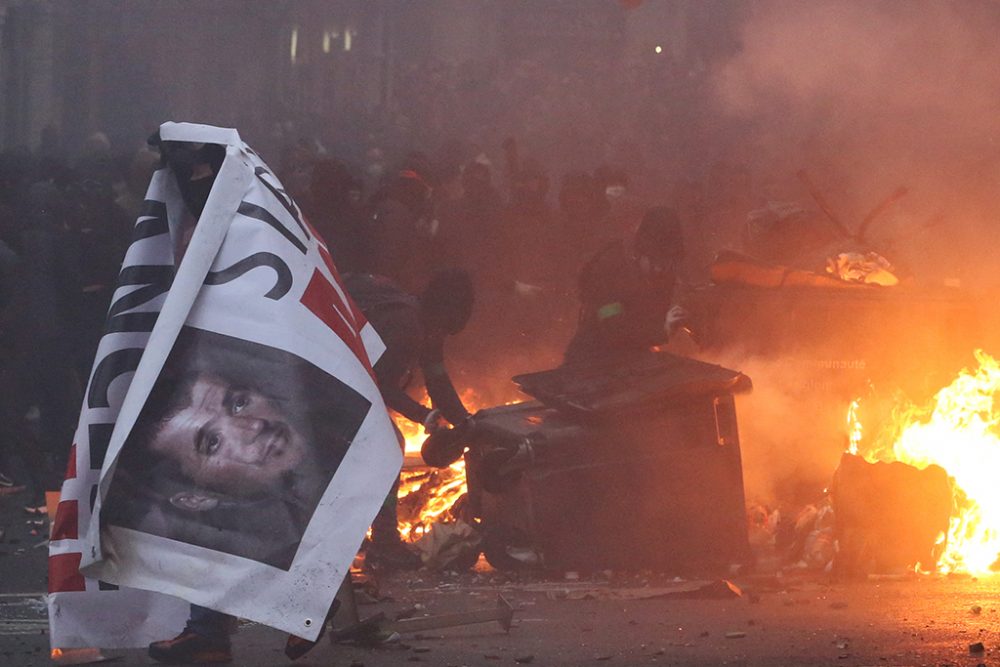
(202, 493)
(626, 292)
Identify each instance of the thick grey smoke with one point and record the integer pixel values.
(872, 95)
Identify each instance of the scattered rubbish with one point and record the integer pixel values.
(976, 648)
(524, 659)
(502, 613)
(572, 576)
(720, 589)
(735, 635)
(408, 612)
(450, 545)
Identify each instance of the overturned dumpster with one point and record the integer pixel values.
(614, 465)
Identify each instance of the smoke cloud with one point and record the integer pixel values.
(872, 95)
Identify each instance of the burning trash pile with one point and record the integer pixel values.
(958, 433)
(918, 495)
(432, 509)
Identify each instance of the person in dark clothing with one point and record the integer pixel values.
(17, 440)
(43, 320)
(400, 224)
(334, 209)
(97, 234)
(625, 293)
(413, 330)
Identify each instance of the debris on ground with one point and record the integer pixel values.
(450, 546)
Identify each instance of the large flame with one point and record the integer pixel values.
(428, 495)
(960, 431)
(425, 495)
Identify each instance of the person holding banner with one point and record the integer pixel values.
(414, 330)
(233, 446)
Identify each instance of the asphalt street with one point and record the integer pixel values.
(612, 618)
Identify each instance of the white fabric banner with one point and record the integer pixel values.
(232, 454)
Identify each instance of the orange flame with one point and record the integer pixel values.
(960, 431)
(428, 495)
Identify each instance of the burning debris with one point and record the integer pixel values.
(958, 433)
(890, 517)
(431, 495)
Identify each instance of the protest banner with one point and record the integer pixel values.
(233, 446)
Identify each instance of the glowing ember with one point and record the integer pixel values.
(959, 431)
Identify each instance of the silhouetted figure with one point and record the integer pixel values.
(625, 292)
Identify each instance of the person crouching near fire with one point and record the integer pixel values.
(626, 292)
(414, 330)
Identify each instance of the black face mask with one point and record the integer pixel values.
(182, 159)
(195, 193)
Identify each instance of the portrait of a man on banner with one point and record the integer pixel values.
(234, 448)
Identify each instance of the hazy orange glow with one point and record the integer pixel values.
(960, 431)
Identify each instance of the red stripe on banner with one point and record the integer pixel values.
(359, 317)
(66, 524)
(324, 251)
(321, 298)
(71, 464)
(64, 574)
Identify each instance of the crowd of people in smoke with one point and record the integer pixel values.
(64, 228)
(519, 174)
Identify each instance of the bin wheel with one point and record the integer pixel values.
(496, 539)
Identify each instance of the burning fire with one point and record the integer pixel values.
(428, 495)
(960, 431)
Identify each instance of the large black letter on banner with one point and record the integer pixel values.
(117, 363)
(281, 286)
